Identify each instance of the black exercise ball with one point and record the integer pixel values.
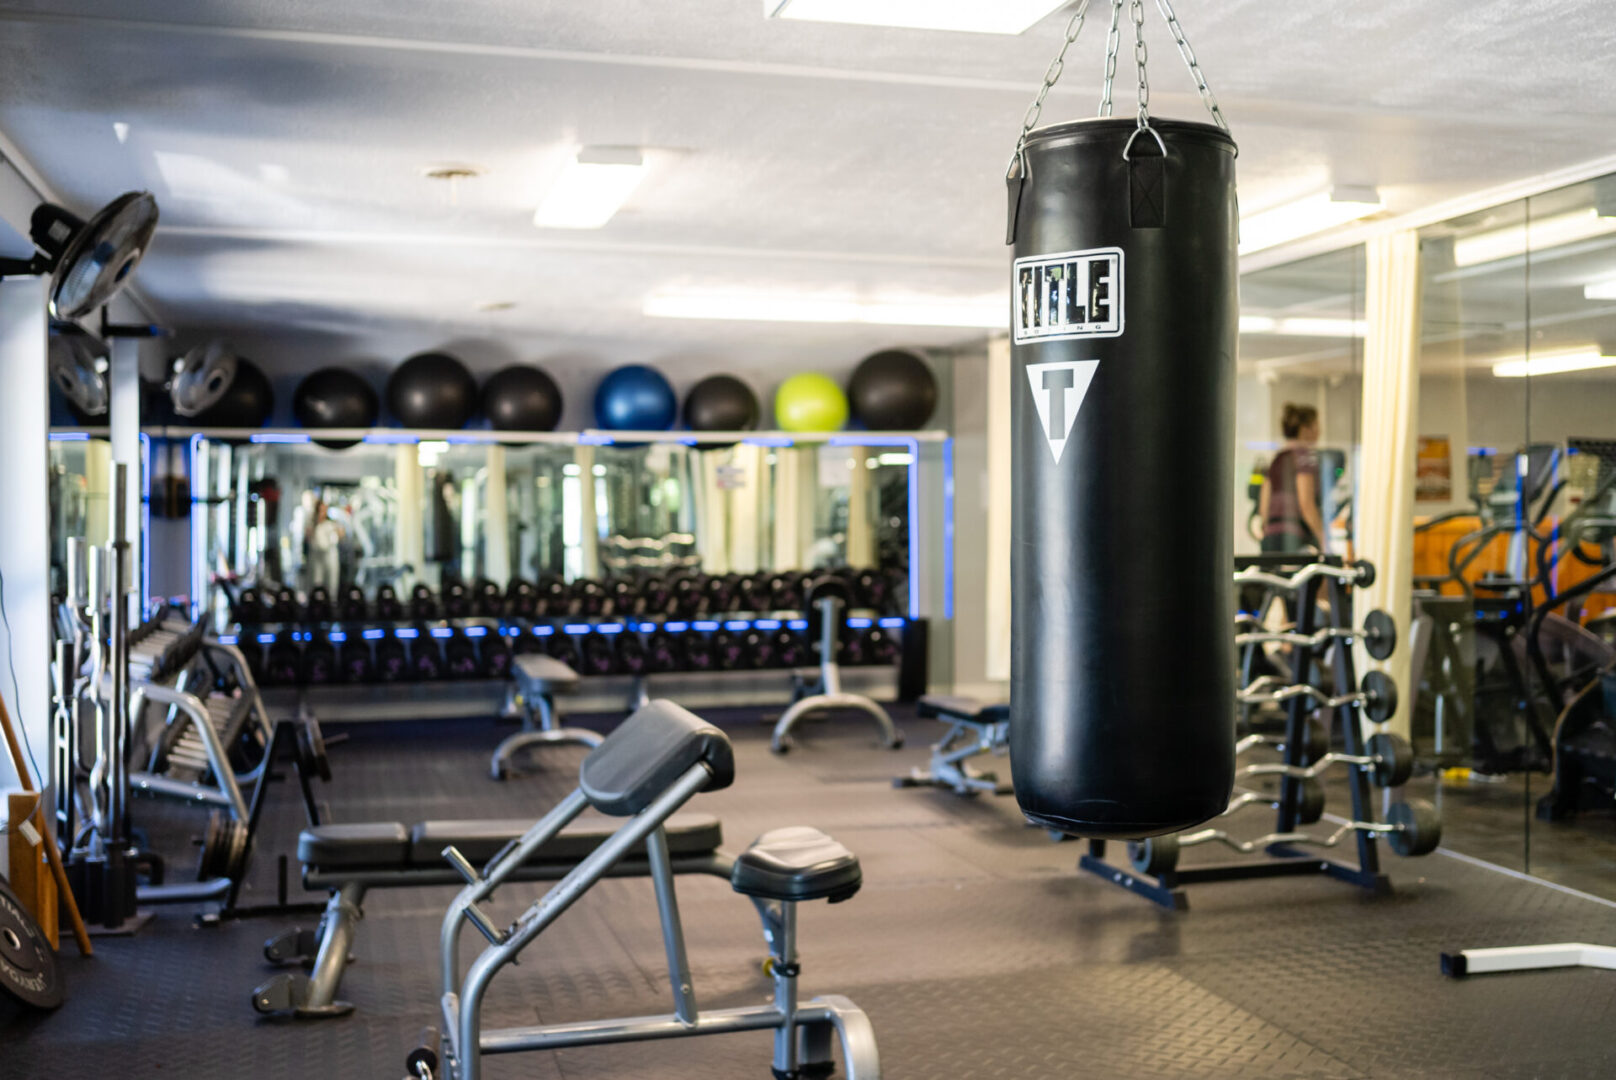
(432, 390)
(721, 403)
(893, 390)
(247, 403)
(522, 398)
(335, 398)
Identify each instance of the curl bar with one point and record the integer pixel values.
(1389, 756)
(1360, 574)
(1411, 828)
(1378, 634)
(1309, 807)
(1377, 694)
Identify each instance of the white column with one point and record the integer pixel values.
(497, 520)
(25, 493)
(1391, 402)
(124, 419)
(860, 532)
(411, 542)
(743, 507)
(997, 666)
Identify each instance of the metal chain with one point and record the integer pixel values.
(1113, 41)
(1140, 55)
(1188, 54)
(1052, 74)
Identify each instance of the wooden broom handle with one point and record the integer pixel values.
(80, 934)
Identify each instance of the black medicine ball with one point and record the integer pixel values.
(432, 390)
(522, 398)
(721, 403)
(893, 390)
(335, 397)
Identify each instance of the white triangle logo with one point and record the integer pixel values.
(1058, 390)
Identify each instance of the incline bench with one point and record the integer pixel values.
(350, 860)
(974, 728)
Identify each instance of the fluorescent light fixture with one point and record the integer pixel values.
(978, 314)
(1303, 326)
(1586, 358)
(1600, 290)
(1257, 324)
(591, 188)
(1544, 233)
(975, 16)
(1304, 217)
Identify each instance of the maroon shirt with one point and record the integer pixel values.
(1284, 506)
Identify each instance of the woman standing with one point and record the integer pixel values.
(1289, 504)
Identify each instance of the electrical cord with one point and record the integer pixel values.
(16, 692)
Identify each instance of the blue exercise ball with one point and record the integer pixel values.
(635, 398)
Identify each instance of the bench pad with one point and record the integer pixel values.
(374, 843)
(796, 863)
(962, 708)
(541, 674)
(646, 753)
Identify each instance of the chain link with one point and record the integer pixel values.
(1113, 42)
(1140, 56)
(1052, 74)
(1188, 54)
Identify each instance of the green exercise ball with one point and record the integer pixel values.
(809, 401)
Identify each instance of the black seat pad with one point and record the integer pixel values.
(543, 674)
(373, 843)
(797, 863)
(479, 841)
(649, 751)
(962, 708)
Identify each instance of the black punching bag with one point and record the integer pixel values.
(1125, 310)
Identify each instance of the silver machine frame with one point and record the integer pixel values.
(949, 766)
(539, 728)
(803, 1032)
(825, 691)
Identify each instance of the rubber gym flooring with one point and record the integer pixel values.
(974, 946)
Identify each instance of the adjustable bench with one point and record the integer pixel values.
(643, 772)
(974, 728)
(350, 860)
(538, 678)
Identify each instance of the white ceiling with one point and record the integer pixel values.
(284, 141)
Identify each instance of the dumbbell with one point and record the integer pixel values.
(729, 650)
(494, 656)
(248, 607)
(521, 598)
(758, 647)
(392, 660)
(355, 661)
(632, 656)
(719, 595)
(790, 648)
(596, 654)
(655, 596)
(561, 647)
(456, 600)
(852, 649)
(785, 593)
(283, 665)
(588, 597)
(353, 607)
(751, 593)
(387, 604)
(869, 589)
(423, 605)
(284, 607)
(662, 652)
(319, 664)
(318, 609)
(459, 657)
(554, 598)
(696, 652)
(426, 662)
(688, 594)
(882, 645)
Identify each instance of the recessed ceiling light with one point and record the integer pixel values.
(990, 313)
(1544, 233)
(120, 130)
(1585, 358)
(495, 305)
(1600, 290)
(1303, 326)
(592, 187)
(995, 17)
(1304, 217)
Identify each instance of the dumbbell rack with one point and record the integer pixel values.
(1153, 872)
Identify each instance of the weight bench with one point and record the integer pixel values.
(538, 678)
(973, 728)
(644, 771)
(819, 689)
(350, 860)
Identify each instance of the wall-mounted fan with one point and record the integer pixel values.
(213, 386)
(88, 261)
(78, 370)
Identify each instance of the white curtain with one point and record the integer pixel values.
(1385, 500)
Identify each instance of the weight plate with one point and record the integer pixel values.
(1366, 573)
(1315, 741)
(224, 848)
(311, 749)
(1396, 759)
(1419, 829)
(27, 962)
(1379, 634)
(204, 375)
(1380, 696)
(1310, 802)
(1157, 855)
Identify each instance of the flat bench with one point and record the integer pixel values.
(352, 859)
(973, 728)
(536, 680)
